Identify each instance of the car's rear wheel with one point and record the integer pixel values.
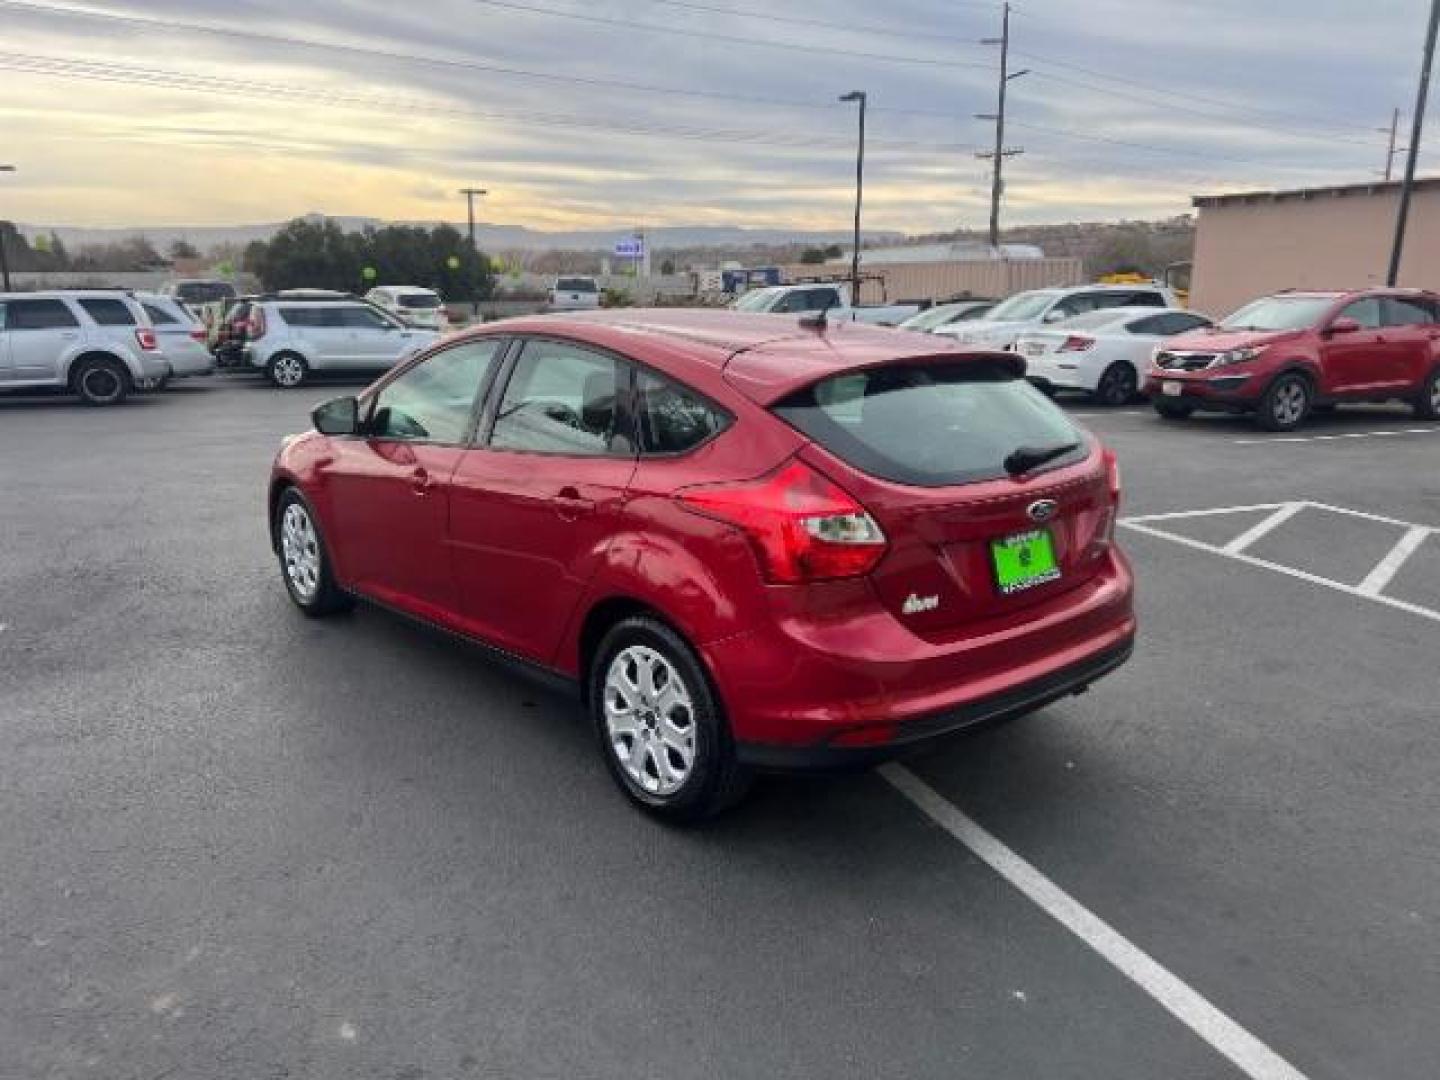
(304, 559)
(1171, 410)
(101, 380)
(287, 370)
(1286, 403)
(1427, 405)
(1118, 385)
(660, 727)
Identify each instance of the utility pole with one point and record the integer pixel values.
(4, 263)
(470, 193)
(858, 96)
(1416, 130)
(1390, 150)
(1000, 153)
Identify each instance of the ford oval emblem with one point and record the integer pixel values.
(1042, 509)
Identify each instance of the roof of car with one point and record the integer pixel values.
(765, 356)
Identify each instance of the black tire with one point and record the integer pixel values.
(101, 381)
(324, 596)
(1427, 405)
(1118, 385)
(287, 370)
(162, 383)
(1171, 410)
(1286, 403)
(715, 778)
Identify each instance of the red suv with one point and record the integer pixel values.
(749, 543)
(1284, 355)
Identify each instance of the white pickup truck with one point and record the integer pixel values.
(834, 300)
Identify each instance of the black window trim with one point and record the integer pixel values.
(624, 400)
(368, 398)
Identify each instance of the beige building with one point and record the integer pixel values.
(1250, 244)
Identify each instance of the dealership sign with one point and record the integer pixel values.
(630, 249)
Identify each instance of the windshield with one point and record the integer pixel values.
(1280, 313)
(931, 425)
(757, 300)
(419, 301)
(1022, 307)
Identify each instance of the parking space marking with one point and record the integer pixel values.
(1255, 532)
(1375, 582)
(1244, 1050)
(1389, 433)
(1147, 524)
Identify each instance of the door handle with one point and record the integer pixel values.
(569, 505)
(420, 482)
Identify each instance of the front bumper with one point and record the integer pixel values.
(1230, 391)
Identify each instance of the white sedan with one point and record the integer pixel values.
(1101, 352)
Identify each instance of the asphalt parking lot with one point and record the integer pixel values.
(239, 843)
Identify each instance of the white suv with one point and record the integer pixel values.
(575, 294)
(290, 336)
(412, 305)
(97, 342)
(1038, 308)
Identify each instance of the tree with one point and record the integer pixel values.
(834, 251)
(183, 249)
(812, 256)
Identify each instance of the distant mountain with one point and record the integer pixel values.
(490, 237)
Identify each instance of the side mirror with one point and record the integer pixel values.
(1055, 315)
(1345, 325)
(339, 416)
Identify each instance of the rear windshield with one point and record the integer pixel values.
(931, 425)
(416, 301)
(204, 292)
(575, 284)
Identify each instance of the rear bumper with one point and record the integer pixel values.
(1048, 373)
(919, 733)
(807, 685)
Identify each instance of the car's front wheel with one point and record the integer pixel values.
(1427, 405)
(659, 726)
(1118, 385)
(304, 559)
(1286, 403)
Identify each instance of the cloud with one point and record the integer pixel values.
(1126, 113)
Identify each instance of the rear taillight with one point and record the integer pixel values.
(802, 527)
(200, 334)
(1105, 532)
(255, 326)
(1077, 343)
(145, 337)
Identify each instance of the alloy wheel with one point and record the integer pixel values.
(1289, 404)
(300, 547)
(650, 720)
(289, 371)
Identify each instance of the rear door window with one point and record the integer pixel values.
(107, 312)
(564, 399)
(37, 315)
(1405, 311)
(303, 317)
(361, 318)
(931, 425)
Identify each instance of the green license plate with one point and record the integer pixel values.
(1024, 561)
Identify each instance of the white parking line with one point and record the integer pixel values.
(1390, 433)
(1146, 524)
(1375, 582)
(1255, 532)
(1249, 1054)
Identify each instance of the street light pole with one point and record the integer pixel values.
(1401, 218)
(4, 263)
(470, 193)
(858, 96)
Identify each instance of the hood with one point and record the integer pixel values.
(1225, 340)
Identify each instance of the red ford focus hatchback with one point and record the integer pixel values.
(750, 543)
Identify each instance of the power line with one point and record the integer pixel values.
(733, 39)
(852, 28)
(66, 67)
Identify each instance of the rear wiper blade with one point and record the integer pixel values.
(1025, 458)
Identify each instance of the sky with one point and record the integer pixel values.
(614, 113)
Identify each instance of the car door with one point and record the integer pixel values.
(389, 487)
(1356, 363)
(534, 505)
(1413, 330)
(41, 333)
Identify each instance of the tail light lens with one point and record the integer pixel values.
(145, 338)
(1105, 533)
(200, 334)
(801, 526)
(1077, 343)
(255, 326)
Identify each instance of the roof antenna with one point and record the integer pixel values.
(819, 320)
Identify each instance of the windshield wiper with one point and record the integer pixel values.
(1025, 458)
